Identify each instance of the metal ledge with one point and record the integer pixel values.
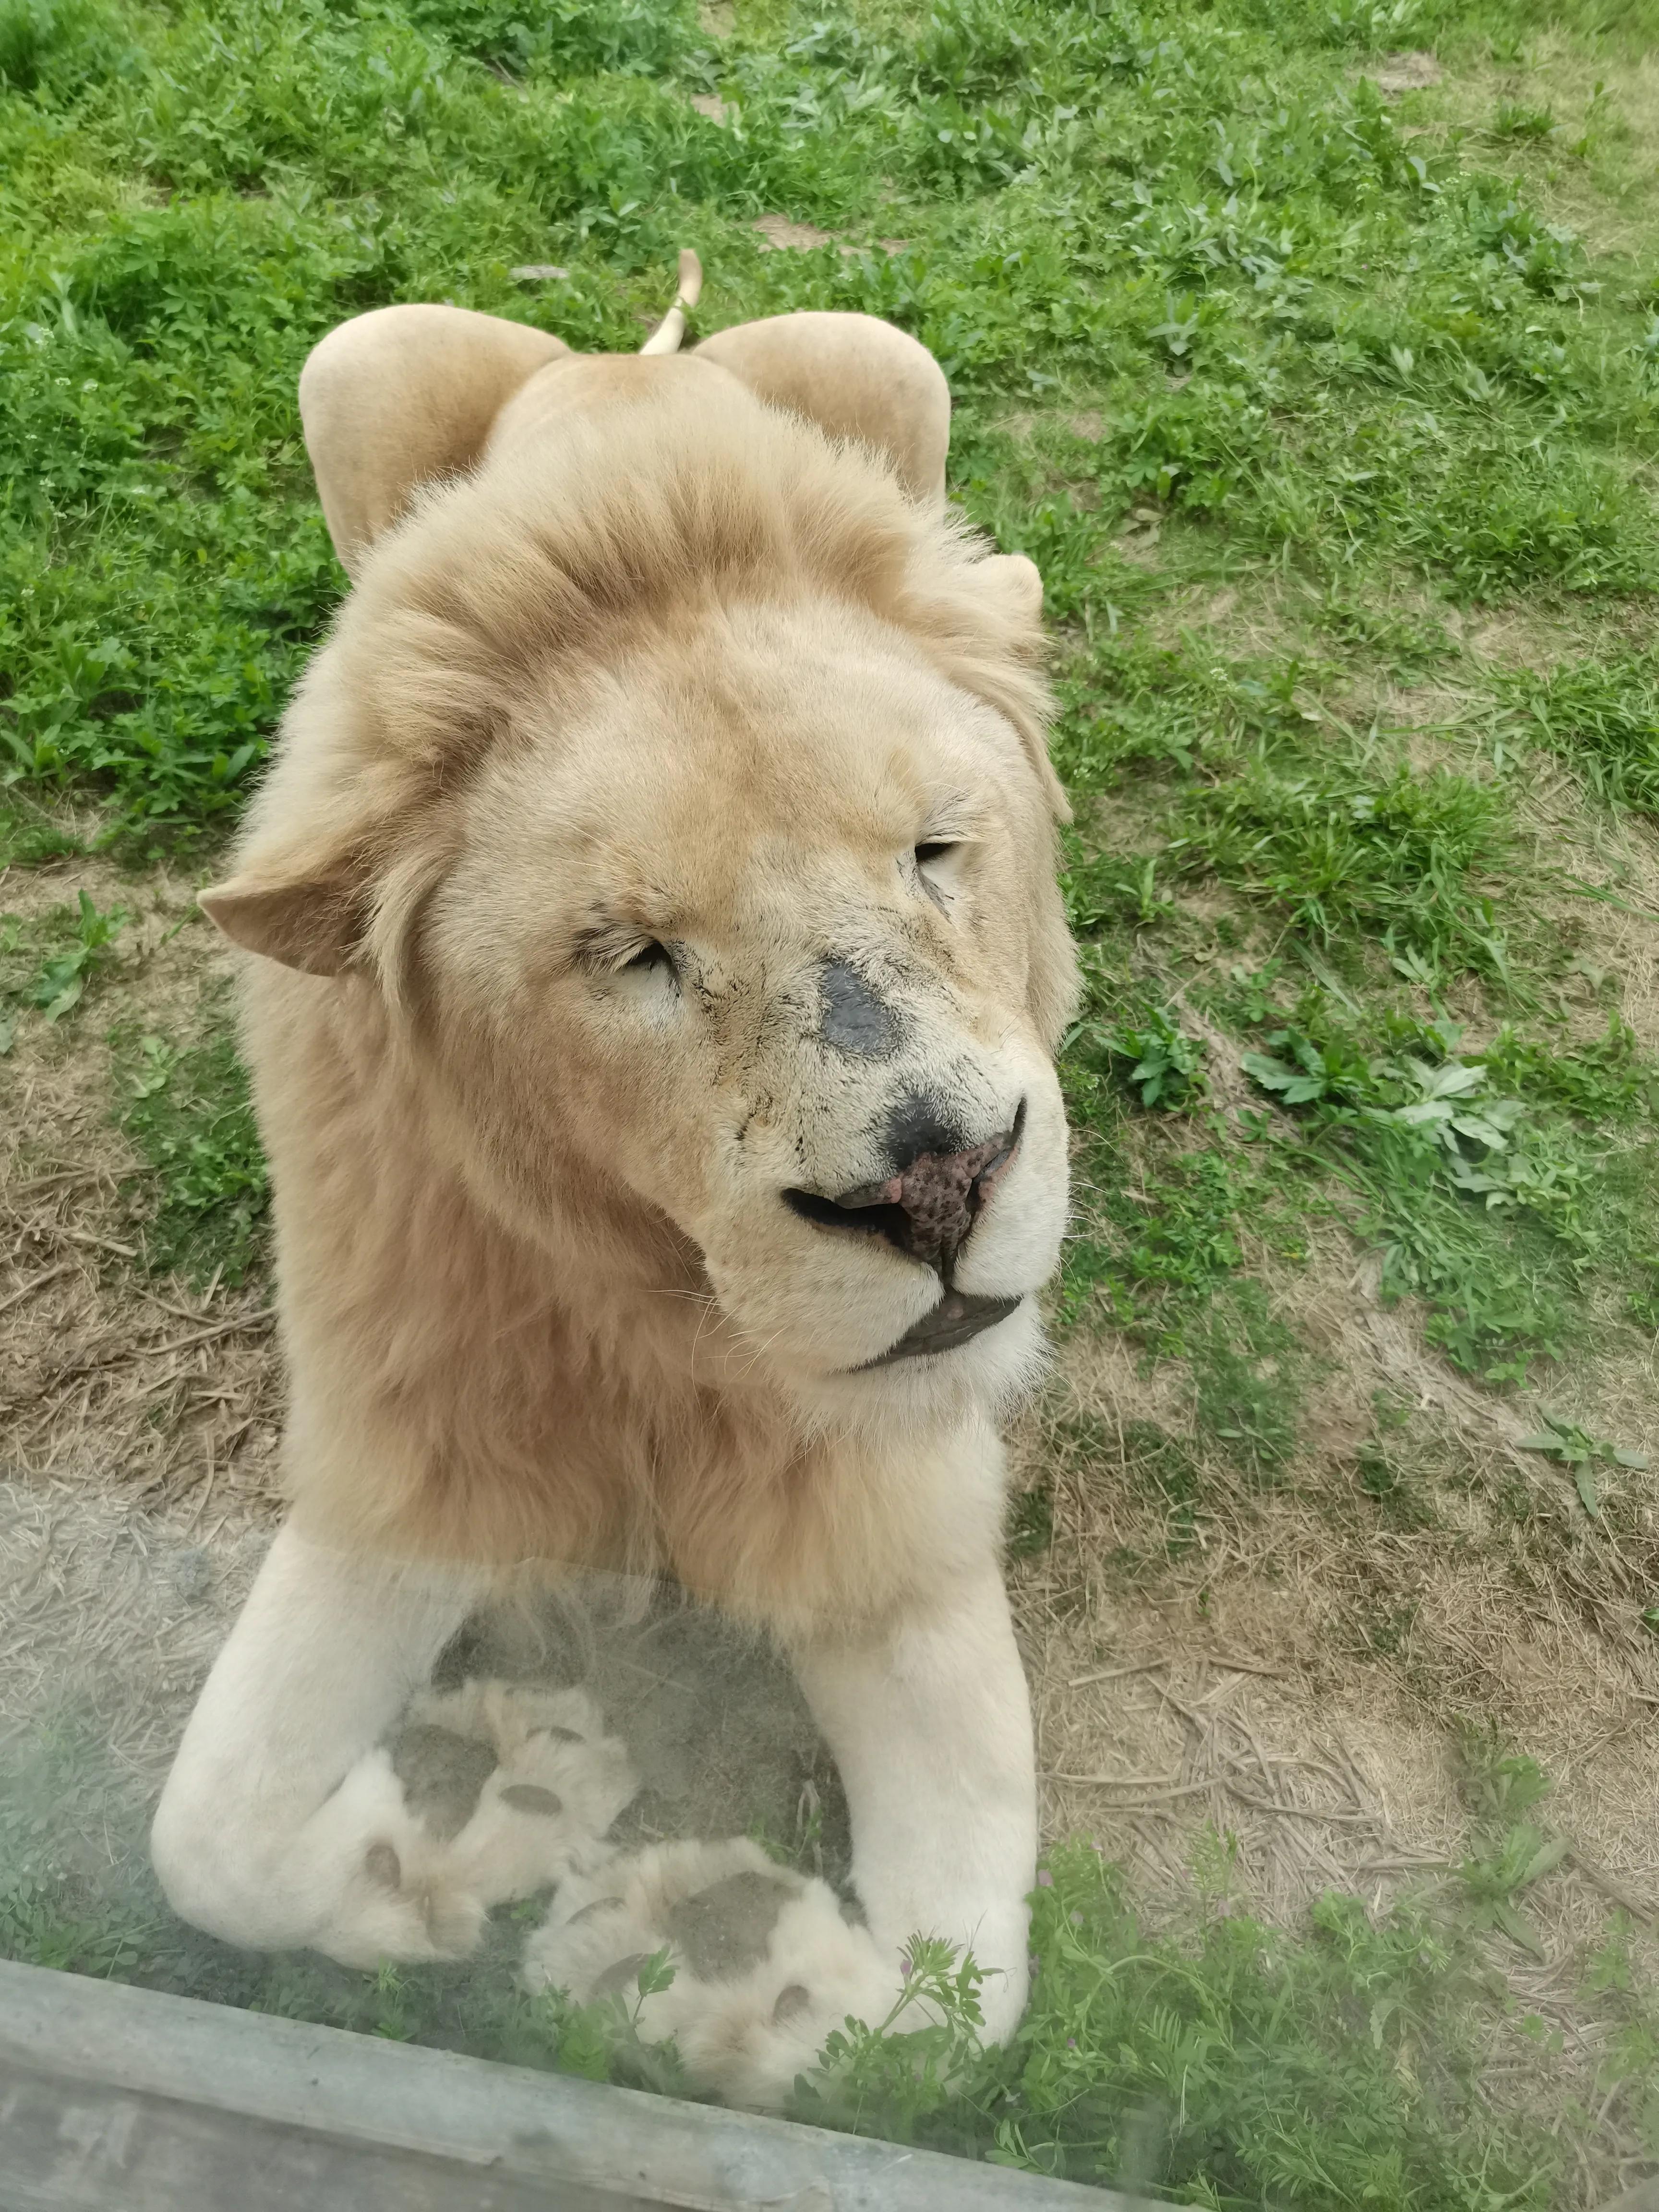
(118, 2099)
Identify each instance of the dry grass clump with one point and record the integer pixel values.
(108, 1375)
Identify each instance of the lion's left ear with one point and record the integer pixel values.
(1013, 587)
(855, 376)
(312, 916)
(1015, 581)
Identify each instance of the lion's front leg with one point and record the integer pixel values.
(282, 1823)
(929, 1724)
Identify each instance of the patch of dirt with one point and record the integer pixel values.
(778, 233)
(109, 1377)
(1405, 72)
(109, 1617)
(1540, 637)
(1596, 170)
(1292, 1662)
(1250, 615)
(1613, 922)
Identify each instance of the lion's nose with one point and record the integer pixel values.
(928, 1208)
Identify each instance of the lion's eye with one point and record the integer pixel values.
(936, 868)
(648, 957)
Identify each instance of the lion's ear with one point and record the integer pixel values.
(400, 396)
(1014, 585)
(856, 376)
(1015, 582)
(312, 919)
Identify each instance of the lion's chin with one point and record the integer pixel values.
(960, 1316)
(982, 1368)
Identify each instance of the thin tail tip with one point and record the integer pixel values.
(665, 338)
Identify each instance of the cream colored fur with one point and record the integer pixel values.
(752, 2019)
(679, 651)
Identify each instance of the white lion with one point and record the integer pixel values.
(658, 967)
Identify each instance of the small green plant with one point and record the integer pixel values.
(887, 2076)
(1503, 1788)
(1523, 1856)
(601, 2040)
(1248, 1380)
(1629, 2070)
(804, 1847)
(38, 1925)
(1581, 1453)
(28, 835)
(394, 2022)
(1111, 888)
(1491, 1206)
(1600, 716)
(1399, 1501)
(1516, 120)
(1166, 1066)
(1031, 1522)
(61, 956)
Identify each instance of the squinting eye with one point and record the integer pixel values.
(648, 958)
(936, 869)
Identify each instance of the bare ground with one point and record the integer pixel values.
(106, 1375)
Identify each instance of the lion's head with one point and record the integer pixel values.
(677, 780)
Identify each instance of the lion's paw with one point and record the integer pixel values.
(766, 1967)
(490, 1793)
(552, 1783)
(393, 1894)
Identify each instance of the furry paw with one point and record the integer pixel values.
(392, 1895)
(493, 1793)
(765, 1964)
(551, 1784)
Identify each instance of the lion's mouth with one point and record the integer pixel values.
(960, 1316)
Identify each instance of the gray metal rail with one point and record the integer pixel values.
(117, 2100)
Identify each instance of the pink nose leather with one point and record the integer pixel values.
(940, 1195)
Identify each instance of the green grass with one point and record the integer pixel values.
(1601, 716)
(185, 1109)
(1288, 388)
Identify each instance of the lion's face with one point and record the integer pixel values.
(679, 777)
(764, 936)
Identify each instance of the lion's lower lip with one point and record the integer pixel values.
(957, 1318)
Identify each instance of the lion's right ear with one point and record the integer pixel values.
(855, 377)
(400, 396)
(313, 919)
